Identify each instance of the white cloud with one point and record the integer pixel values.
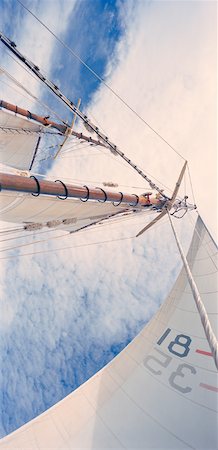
(167, 73)
(75, 305)
(36, 43)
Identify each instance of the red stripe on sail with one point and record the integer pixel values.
(209, 387)
(202, 352)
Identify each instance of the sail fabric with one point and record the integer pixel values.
(17, 144)
(68, 215)
(160, 392)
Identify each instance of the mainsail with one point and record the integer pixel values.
(159, 392)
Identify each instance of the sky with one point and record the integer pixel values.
(65, 314)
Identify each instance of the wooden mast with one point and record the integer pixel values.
(48, 123)
(11, 182)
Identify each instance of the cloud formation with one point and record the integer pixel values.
(68, 313)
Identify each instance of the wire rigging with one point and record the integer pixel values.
(35, 98)
(113, 148)
(53, 250)
(101, 79)
(55, 90)
(126, 159)
(68, 247)
(114, 220)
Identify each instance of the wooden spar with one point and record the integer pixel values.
(11, 182)
(35, 152)
(74, 116)
(54, 88)
(42, 120)
(168, 204)
(29, 115)
(70, 130)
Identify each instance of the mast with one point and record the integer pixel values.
(63, 128)
(54, 88)
(58, 188)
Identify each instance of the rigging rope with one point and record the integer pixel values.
(40, 102)
(113, 223)
(101, 221)
(10, 230)
(68, 247)
(211, 338)
(101, 80)
(13, 130)
(190, 180)
(112, 147)
(74, 246)
(24, 235)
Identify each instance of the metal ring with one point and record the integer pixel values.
(105, 195)
(121, 198)
(38, 186)
(65, 188)
(137, 200)
(87, 197)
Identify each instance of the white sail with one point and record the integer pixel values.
(18, 140)
(158, 393)
(52, 212)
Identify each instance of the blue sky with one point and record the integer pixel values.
(92, 31)
(66, 314)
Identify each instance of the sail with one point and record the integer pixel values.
(18, 140)
(52, 212)
(160, 392)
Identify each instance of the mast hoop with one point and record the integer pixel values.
(87, 197)
(65, 188)
(105, 195)
(137, 200)
(121, 198)
(38, 187)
